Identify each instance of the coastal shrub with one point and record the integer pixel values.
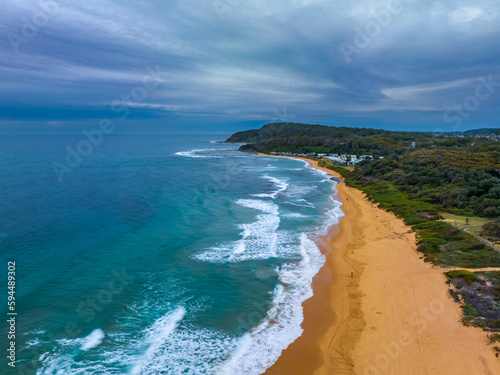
(470, 310)
(492, 229)
(481, 323)
(494, 324)
(454, 295)
(468, 321)
(432, 245)
(467, 275)
(415, 207)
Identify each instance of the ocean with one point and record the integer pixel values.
(165, 254)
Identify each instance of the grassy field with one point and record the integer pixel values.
(477, 232)
(473, 220)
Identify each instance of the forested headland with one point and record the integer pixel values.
(416, 175)
(442, 185)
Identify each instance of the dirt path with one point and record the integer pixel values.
(463, 229)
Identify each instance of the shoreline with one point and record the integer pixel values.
(394, 315)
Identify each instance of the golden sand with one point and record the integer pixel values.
(393, 315)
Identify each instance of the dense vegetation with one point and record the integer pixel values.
(414, 175)
(480, 294)
(440, 242)
(483, 130)
(290, 129)
(460, 181)
(492, 229)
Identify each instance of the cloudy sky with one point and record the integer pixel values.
(222, 65)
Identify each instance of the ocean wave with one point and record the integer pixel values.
(259, 239)
(331, 217)
(60, 360)
(191, 351)
(303, 203)
(299, 191)
(86, 343)
(172, 346)
(205, 153)
(33, 343)
(296, 215)
(260, 349)
(92, 340)
(280, 184)
(165, 347)
(37, 331)
(155, 338)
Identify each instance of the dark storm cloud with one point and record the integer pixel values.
(372, 63)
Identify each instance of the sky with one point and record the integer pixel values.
(168, 66)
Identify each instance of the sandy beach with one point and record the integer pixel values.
(392, 315)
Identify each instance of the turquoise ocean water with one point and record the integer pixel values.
(164, 254)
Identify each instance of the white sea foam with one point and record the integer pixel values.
(92, 340)
(60, 362)
(33, 343)
(259, 239)
(296, 215)
(37, 331)
(331, 217)
(280, 184)
(203, 152)
(191, 154)
(299, 191)
(303, 203)
(156, 336)
(88, 342)
(264, 206)
(164, 348)
(193, 351)
(259, 349)
(171, 348)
